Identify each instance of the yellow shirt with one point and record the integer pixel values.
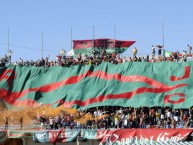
(157, 114)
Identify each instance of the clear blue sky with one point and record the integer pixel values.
(139, 20)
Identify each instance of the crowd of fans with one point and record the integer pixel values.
(118, 117)
(158, 54)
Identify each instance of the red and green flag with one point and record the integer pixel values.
(110, 45)
(167, 53)
(132, 84)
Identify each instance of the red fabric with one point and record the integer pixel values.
(101, 43)
(145, 135)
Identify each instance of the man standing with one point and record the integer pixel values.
(159, 49)
(21, 122)
(134, 51)
(189, 49)
(51, 121)
(153, 51)
(6, 123)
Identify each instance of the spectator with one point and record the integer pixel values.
(189, 49)
(6, 122)
(21, 122)
(176, 57)
(42, 121)
(51, 123)
(159, 50)
(153, 51)
(134, 51)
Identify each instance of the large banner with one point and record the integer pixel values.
(55, 136)
(132, 84)
(142, 136)
(110, 45)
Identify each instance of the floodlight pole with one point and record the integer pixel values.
(93, 34)
(42, 44)
(163, 39)
(71, 37)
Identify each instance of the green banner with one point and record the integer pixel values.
(132, 84)
(66, 135)
(41, 136)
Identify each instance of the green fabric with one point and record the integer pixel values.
(167, 53)
(88, 51)
(67, 135)
(83, 51)
(132, 84)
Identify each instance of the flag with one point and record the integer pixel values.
(83, 47)
(110, 45)
(167, 53)
(70, 53)
(131, 84)
(159, 46)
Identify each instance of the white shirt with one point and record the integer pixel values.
(95, 113)
(51, 121)
(168, 114)
(125, 122)
(100, 113)
(120, 111)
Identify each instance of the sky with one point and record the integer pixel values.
(139, 20)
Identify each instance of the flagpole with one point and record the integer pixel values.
(71, 37)
(163, 39)
(8, 50)
(8, 40)
(42, 44)
(115, 32)
(163, 34)
(93, 34)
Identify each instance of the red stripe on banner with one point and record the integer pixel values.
(127, 95)
(185, 76)
(167, 98)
